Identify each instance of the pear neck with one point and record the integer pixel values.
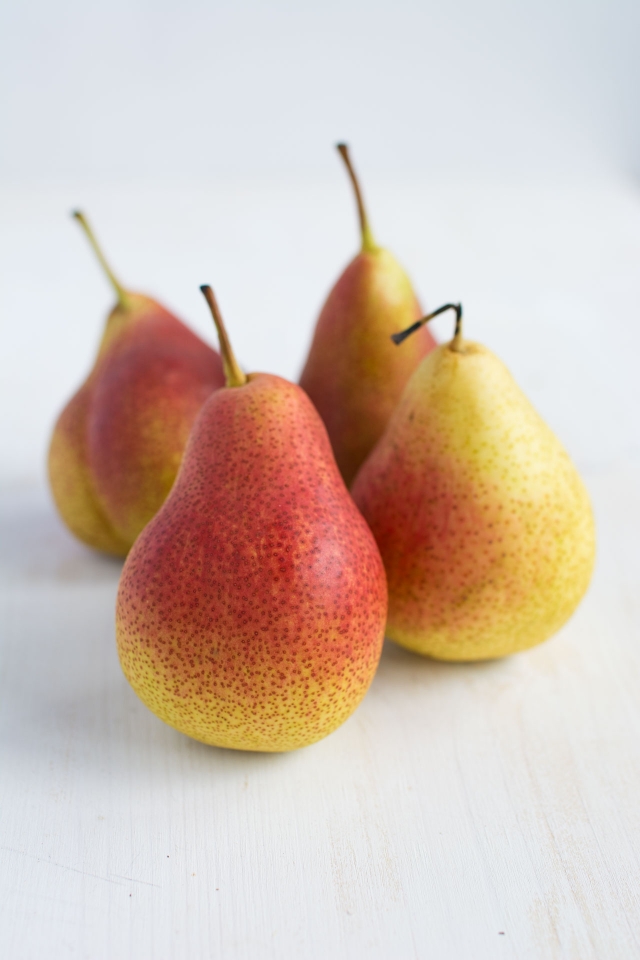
(121, 318)
(232, 371)
(123, 296)
(368, 244)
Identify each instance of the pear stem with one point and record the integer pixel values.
(457, 333)
(121, 293)
(234, 375)
(368, 243)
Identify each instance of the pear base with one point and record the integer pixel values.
(280, 724)
(449, 648)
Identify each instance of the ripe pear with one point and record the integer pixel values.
(353, 374)
(483, 523)
(251, 609)
(117, 445)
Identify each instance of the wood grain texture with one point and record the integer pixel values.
(464, 811)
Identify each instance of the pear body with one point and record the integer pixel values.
(354, 374)
(251, 609)
(482, 521)
(117, 445)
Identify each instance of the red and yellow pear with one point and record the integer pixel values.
(117, 445)
(251, 610)
(483, 523)
(353, 374)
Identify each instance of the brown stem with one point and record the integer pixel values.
(368, 243)
(232, 371)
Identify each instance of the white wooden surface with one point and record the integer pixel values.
(463, 812)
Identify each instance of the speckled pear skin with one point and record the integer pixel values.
(251, 610)
(483, 523)
(71, 481)
(354, 374)
(117, 445)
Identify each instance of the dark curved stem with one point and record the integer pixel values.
(399, 337)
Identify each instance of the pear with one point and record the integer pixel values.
(483, 523)
(353, 374)
(251, 610)
(117, 445)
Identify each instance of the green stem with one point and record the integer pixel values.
(121, 293)
(368, 243)
(232, 371)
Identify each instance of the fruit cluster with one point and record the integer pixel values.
(257, 589)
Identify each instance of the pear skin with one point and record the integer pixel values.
(117, 445)
(251, 609)
(71, 482)
(483, 523)
(354, 374)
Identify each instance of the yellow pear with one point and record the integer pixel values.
(483, 523)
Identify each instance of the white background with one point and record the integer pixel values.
(179, 89)
(463, 812)
(198, 137)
